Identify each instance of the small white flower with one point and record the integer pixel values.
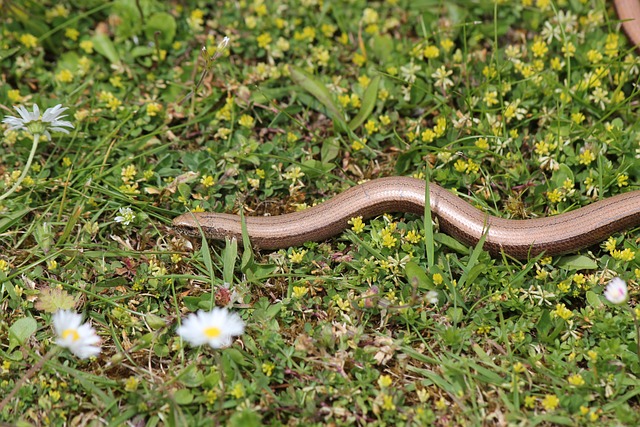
(215, 327)
(223, 44)
(616, 291)
(81, 339)
(441, 75)
(409, 72)
(210, 57)
(432, 297)
(126, 216)
(33, 123)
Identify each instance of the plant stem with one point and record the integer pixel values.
(635, 322)
(218, 358)
(28, 375)
(32, 154)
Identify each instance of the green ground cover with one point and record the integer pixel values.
(524, 108)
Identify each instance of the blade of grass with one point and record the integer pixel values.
(319, 91)
(368, 103)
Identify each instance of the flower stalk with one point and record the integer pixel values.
(209, 59)
(617, 293)
(27, 166)
(635, 322)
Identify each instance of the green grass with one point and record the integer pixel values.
(525, 109)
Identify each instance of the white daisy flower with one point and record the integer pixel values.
(215, 327)
(616, 291)
(126, 216)
(34, 123)
(81, 339)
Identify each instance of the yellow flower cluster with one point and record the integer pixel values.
(110, 100)
(129, 185)
(296, 257)
(300, 291)
(357, 225)
(576, 380)
(226, 111)
(563, 312)
(207, 181)
(388, 240)
(625, 254)
(428, 135)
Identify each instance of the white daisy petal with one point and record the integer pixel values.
(57, 129)
(61, 123)
(52, 114)
(14, 123)
(36, 113)
(24, 113)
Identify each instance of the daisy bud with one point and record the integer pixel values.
(616, 291)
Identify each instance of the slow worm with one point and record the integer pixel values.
(629, 14)
(520, 239)
(554, 235)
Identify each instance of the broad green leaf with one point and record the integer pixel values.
(577, 262)
(183, 396)
(105, 47)
(161, 350)
(229, 255)
(382, 47)
(368, 103)
(9, 219)
(329, 150)
(142, 342)
(470, 270)
(562, 174)
(455, 314)
(315, 168)
(154, 321)
(416, 275)
(191, 376)
(544, 324)
(68, 61)
(245, 418)
(594, 300)
(44, 236)
(20, 331)
(163, 23)
(206, 258)
(130, 20)
(318, 90)
(247, 264)
(235, 355)
(71, 224)
(474, 272)
(211, 380)
(141, 51)
(451, 243)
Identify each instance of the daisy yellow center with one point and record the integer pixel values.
(212, 332)
(75, 336)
